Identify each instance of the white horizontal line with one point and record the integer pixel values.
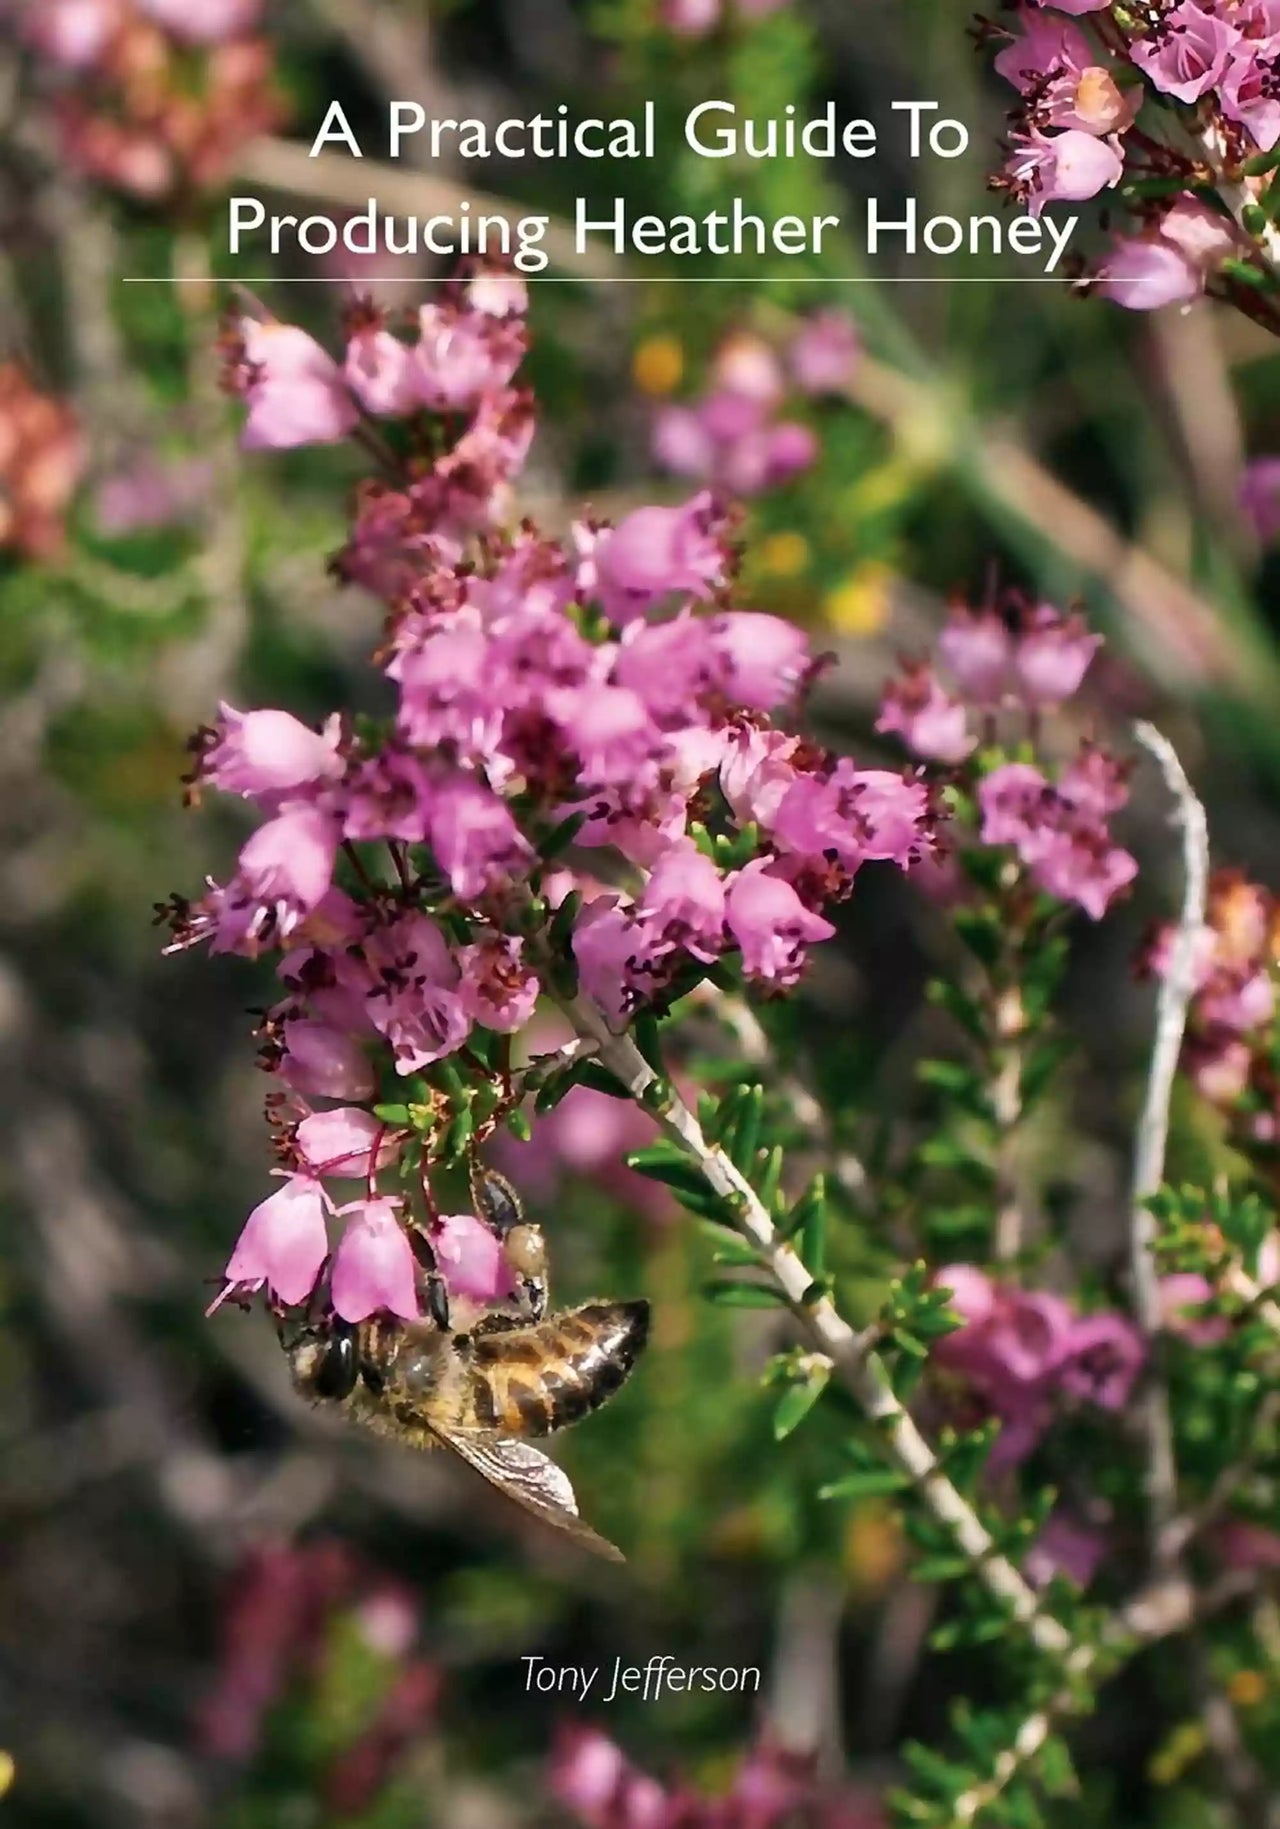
(590, 279)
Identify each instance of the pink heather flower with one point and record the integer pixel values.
(1079, 864)
(690, 18)
(606, 945)
(1248, 90)
(610, 731)
(745, 365)
(382, 373)
(208, 22)
(1043, 44)
(73, 33)
(1204, 235)
(639, 825)
(498, 293)
(464, 356)
(931, 723)
(1052, 656)
(284, 871)
(498, 989)
(1145, 272)
(1219, 1067)
(765, 658)
(824, 352)
(771, 925)
(1168, 262)
(294, 390)
(653, 552)
(374, 1267)
(1244, 1545)
(415, 1001)
(1101, 1360)
(446, 691)
(756, 772)
(971, 1293)
(789, 450)
(1010, 801)
(1186, 54)
(1238, 1001)
(1068, 1546)
(1063, 167)
(471, 1259)
(977, 648)
(474, 838)
(342, 1143)
(1018, 1347)
(1260, 497)
(672, 665)
(284, 1243)
(892, 809)
(148, 492)
(322, 1062)
(682, 442)
(590, 1776)
(684, 903)
(1094, 782)
(1183, 1296)
(270, 753)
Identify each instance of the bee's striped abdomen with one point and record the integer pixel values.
(533, 1380)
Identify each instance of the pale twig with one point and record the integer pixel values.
(1173, 1000)
(860, 1369)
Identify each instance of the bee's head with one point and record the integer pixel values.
(322, 1359)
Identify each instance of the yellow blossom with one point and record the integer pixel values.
(859, 605)
(783, 555)
(658, 365)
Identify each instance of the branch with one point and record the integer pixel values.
(859, 1368)
(1173, 1000)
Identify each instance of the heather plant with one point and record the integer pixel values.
(788, 997)
(1174, 107)
(588, 793)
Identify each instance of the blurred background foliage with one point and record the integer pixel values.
(151, 1463)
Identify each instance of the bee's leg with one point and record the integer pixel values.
(431, 1285)
(498, 1205)
(496, 1201)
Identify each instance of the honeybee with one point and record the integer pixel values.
(516, 1373)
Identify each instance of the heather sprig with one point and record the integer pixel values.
(587, 781)
(1174, 108)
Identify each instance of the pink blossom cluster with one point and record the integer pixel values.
(1229, 1047)
(154, 96)
(696, 18)
(733, 436)
(602, 688)
(771, 1789)
(275, 1631)
(1084, 71)
(1017, 662)
(1023, 1355)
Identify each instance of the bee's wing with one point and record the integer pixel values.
(532, 1479)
